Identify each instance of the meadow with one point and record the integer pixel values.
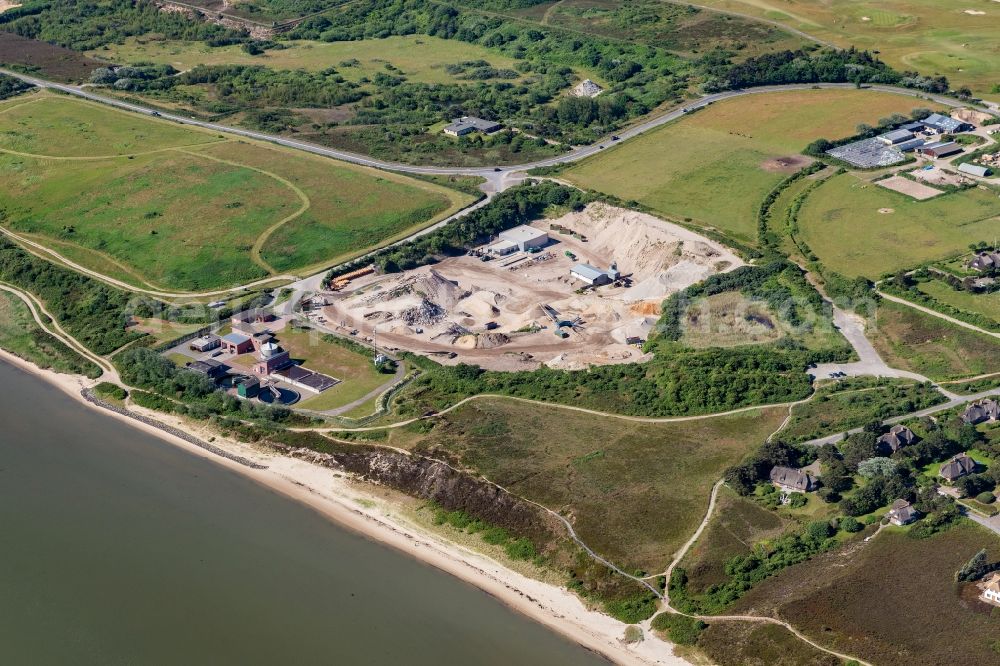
(858, 228)
(911, 340)
(159, 205)
(634, 491)
(420, 58)
(350, 208)
(713, 168)
(987, 305)
(917, 608)
(934, 38)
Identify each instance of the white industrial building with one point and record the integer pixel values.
(525, 237)
(594, 276)
(502, 248)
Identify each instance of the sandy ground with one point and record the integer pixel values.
(938, 176)
(918, 191)
(508, 313)
(336, 497)
(6, 4)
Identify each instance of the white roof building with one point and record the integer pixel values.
(525, 237)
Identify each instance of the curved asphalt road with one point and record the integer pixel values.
(497, 176)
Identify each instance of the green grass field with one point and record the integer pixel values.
(421, 58)
(349, 208)
(635, 492)
(892, 601)
(911, 340)
(712, 166)
(21, 336)
(987, 305)
(356, 371)
(44, 125)
(842, 224)
(957, 40)
(179, 208)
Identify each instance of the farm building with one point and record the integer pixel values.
(205, 343)
(902, 513)
(985, 261)
(946, 125)
(792, 480)
(982, 411)
(915, 126)
(974, 170)
(897, 437)
(896, 136)
(959, 466)
(237, 343)
(939, 149)
(469, 124)
(525, 237)
(912, 144)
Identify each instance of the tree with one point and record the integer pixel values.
(819, 530)
(874, 467)
(858, 447)
(974, 569)
(851, 524)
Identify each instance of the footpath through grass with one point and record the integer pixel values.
(634, 491)
(21, 336)
(179, 208)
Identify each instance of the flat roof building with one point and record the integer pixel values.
(237, 343)
(907, 146)
(502, 248)
(469, 124)
(525, 237)
(209, 368)
(205, 343)
(895, 136)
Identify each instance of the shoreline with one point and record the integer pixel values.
(336, 497)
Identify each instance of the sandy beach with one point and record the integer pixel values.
(336, 497)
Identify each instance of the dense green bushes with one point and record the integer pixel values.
(10, 86)
(92, 312)
(680, 629)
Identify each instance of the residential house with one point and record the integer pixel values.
(897, 437)
(792, 480)
(990, 587)
(959, 466)
(985, 262)
(902, 513)
(982, 411)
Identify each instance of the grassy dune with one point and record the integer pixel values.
(634, 491)
(712, 166)
(160, 205)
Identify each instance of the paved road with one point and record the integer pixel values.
(954, 401)
(497, 176)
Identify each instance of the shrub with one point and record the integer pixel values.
(109, 390)
(851, 524)
(986, 497)
(521, 549)
(680, 629)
